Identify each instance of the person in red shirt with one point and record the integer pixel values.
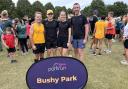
(9, 41)
(28, 33)
(110, 32)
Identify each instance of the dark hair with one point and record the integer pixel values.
(31, 20)
(76, 4)
(65, 13)
(103, 18)
(22, 21)
(95, 12)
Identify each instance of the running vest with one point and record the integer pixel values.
(100, 29)
(38, 33)
(110, 24)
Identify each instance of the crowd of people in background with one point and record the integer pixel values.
(57, 37)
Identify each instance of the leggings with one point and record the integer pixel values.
(23, 44)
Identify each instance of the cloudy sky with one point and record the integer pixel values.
(69, 3)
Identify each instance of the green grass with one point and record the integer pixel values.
(105, 72)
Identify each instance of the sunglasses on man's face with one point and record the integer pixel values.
(50, 14)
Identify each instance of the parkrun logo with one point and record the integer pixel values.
(61, 74)
(57, 67)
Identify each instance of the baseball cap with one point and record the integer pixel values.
(49, 12)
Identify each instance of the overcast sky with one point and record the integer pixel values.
(69, 3)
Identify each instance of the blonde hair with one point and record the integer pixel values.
(4, 13)
(38, 13)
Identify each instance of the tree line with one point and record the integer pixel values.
(24, 7)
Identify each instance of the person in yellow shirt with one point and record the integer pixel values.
(99, 34)
(37, 37)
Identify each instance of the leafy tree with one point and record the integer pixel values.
(49, 6)
(87, 11)
(69, 11)
(24, 8)
(9, 6)
(38, 6)
(99, 6)
(119, 8)
(58, 9)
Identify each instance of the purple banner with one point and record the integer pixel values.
(57, 73)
